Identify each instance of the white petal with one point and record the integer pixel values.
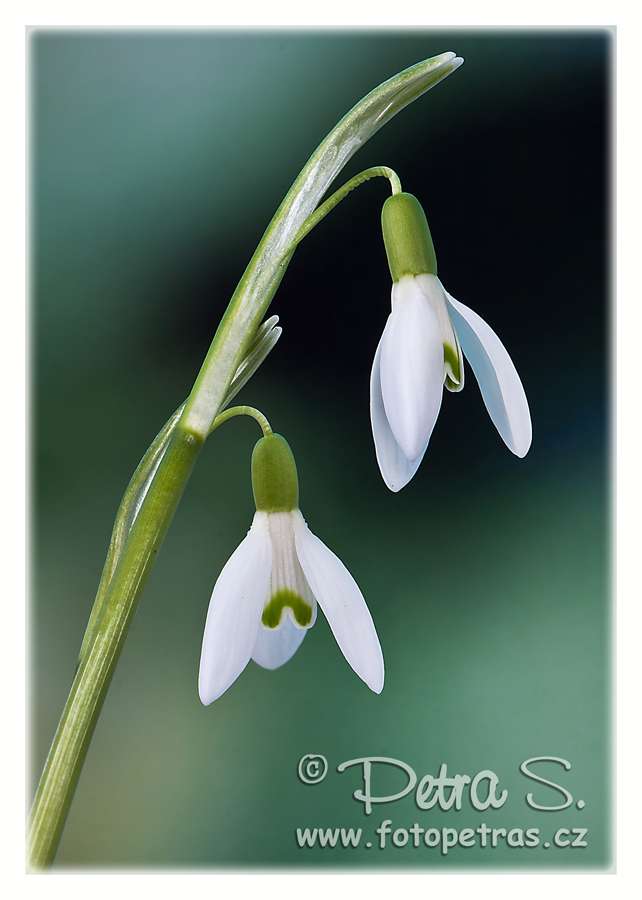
(235, 612)
(498, 380)
(453, 361)
(343, 605)
(396, 469)
(411, 367)
(276, 646)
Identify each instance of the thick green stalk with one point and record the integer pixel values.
(237, 331)
(93, 676)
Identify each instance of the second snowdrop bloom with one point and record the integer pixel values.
(266, 597)
(421, 351)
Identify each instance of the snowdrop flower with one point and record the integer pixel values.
(266, 597)
(421, 350)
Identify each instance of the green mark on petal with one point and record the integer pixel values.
(279, 601)
(451, 359)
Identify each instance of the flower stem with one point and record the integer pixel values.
(93, 676)
(322, 211)
(162, 483)
(243, 411)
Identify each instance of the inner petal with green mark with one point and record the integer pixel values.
(289, 594)
(452, 367)
(453, 360)
(283, 602)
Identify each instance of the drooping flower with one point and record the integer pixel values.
(421, 350)
(266, 597)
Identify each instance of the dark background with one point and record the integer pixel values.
(157, 161)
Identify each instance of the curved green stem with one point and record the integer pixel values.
(243, 411)
(170, 470)
(322, 211)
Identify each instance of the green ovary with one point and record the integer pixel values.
(279, 601)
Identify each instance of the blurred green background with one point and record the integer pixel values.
(157, 161)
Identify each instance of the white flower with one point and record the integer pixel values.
(266, 597)
(420, 351)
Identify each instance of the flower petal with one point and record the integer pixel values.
(343, 605)
(396, 469)
(412, 367)
(276, 646)
(235, 612)
(453, 360)
(498, 380)
(287, 575)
